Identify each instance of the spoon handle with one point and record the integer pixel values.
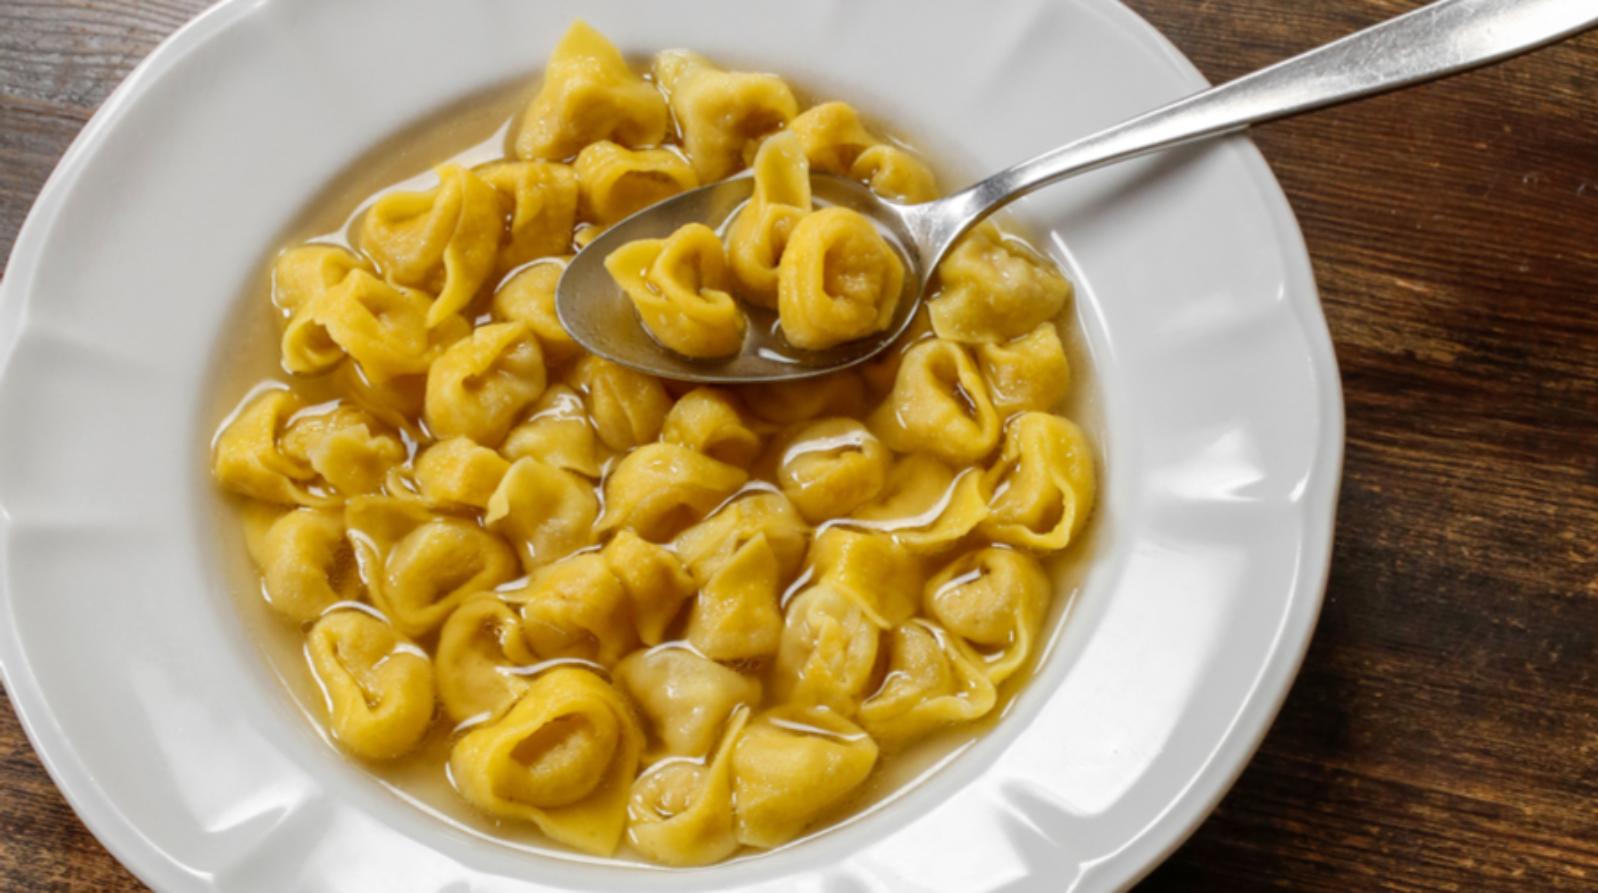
(1431, 42)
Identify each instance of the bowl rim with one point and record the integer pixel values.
(1140, 856)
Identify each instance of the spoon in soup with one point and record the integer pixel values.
(1431, 42)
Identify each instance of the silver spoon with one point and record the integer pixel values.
(1431, 42)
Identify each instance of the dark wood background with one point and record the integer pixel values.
(1444, 732)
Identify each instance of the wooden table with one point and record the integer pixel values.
(1444, 731)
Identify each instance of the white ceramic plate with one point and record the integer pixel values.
(156, 713)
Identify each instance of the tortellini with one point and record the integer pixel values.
(828, 651)
(878, 572)
(659, 489)
(588, 95)
(681, 812)
(276, 450)
(839, 280)
(379, 685)
(993, 599)
(711, 421)
(1028, 374)
(687, 697)
(444, 241)
(577, 608)
(792, 765)
(458, 472)
(654, 618)
(678, 286)
(994, 289)
(540, 200)
(722, 114)
(830, 467)
(529, 297)
(483, 382)
(758, 235)
(933, 680)
(547, 512)
(307, 565)
(616, 181)
(627, 407)
(381, 326)
(558, 431)
(418, 566)
(939, 405)
(563, 757)
(1043, 484)
(479, 649)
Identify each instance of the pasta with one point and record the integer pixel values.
(678, 286)
(838, 280)
(645, 618)
(994, 289)
(722, 114)
(378, 685)
(589, 94)
(529, 297)
(760, 232)
(617, 181)
(445, 240)
(563, 757)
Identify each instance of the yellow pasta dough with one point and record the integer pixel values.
(588, 95)
(838, 280)
(627, 407)
(480, 385)
(529, 297)
(830, 467)
(539, 199)
(681, 811)
(712, 422)
(307, 565)
(994, 289)
(564, 758)
(939, 405)
(1030, 373)
(547, 513)
(444, 241)
(1043, 484)
(678, 286)
(758, 235)
(993, 599)
(722, 114)
(932, 680)
(686, 696)
(659, 489)
(656, 620)
(378, 685)
(616, 181)
(479, 648)
(791, 766)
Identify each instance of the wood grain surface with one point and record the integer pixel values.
(1443, 734)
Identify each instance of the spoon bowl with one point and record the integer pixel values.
(594, 309)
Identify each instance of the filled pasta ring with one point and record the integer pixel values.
(482, 383)
(828, 651)
(659, 489)
(678, 285)
(478, 648)
(307, 565)
(627, 407)
(563, 757)
(529, 296)
(558, 431)
(839, 280)
(791, 765)
(444, 241)
(686, 696)
(925, 506)
(681, 811)
(993, 599)
(377, 683)
(939, 405)
(711, 421)
(830, 467)
(547, 513)
(576, 608)
(589, 94)
(539, 201)
(616, 181)
(722, 114)
(1043, 484)
(760, 231)
(994, 289)
(932, 680)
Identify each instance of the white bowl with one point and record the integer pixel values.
(154, 710)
